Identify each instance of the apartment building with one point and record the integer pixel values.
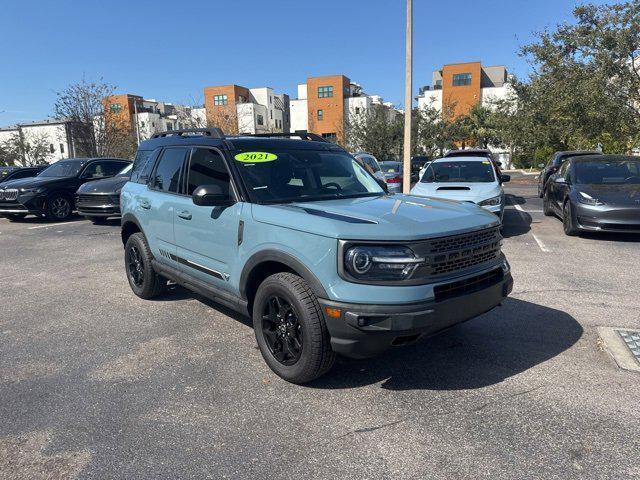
(457, 88)
(56, 136)
(238, 109)
(145, 117)
(326, 105)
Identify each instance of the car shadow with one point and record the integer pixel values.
(515, 222)
(484, 351)
(611, 236)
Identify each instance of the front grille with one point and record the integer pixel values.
(458, 253)
(468, 285)
(97, 200)
(9, 194)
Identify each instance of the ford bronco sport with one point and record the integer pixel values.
(297, 235)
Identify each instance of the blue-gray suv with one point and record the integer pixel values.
(296, 234)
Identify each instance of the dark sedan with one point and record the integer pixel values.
(99, 200)
(596, 193)
(15, 173)
(554, 164)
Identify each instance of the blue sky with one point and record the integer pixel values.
(170, 50)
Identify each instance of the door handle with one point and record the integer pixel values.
(144, 204)
(185, 215)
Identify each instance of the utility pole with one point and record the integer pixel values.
(135, 109)
(408, 101)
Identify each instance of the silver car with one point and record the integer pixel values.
(393, 176)
(370, 163)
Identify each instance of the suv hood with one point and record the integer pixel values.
(105, 185)
(393, 217)
(33, 182)
(464, 192)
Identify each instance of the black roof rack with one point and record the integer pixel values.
(205, 132)
(303, 134)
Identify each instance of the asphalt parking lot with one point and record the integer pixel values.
(96, 383)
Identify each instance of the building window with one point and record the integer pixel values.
(260, 120)
(332, 137)
(461, 79)
(153, 124)
(438, 85)
(142, 124)
(357, 110)
(220, 100)
(51, 148)
(115, 108)
(241, 99)
(169, 127)
(320, 115)
(62, 148)
(270, 100)
(325, 92)
(271, 114)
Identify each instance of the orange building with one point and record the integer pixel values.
(326, 105)
(220, 103)
(119, 110)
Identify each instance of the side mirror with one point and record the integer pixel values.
(211, 196)
(505, 178)
(541, 165)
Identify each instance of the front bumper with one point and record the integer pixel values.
(363, 331)
(29, 205)
(605, 218)
(98, 205)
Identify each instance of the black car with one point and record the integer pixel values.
(476, 152)
(15, 173)
(52, 193)
(596, 193)
(417, 163)
(100, 199)
(554, 163)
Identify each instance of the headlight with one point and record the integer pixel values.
(491, 201)
(588, 199)
(32, 190)
(378, 262)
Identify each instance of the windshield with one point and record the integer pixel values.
(290, 175)
(63, 168)
(390, 167)
(603, 173)
(459, 172)
(126, 171)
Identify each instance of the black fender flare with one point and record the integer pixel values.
(128, 218)
(272, 255)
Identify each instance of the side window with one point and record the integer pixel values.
(109, 168)
(94, 170)
(141, 166)
(207, 167)
(166, 176)
(564, 170)
(23, 174)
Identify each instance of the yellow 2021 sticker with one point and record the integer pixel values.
(255, 157)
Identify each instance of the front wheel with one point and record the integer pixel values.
(568, 222)
(143, 279)
(290, 329)
(59, 208)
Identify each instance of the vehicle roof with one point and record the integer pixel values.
(605, 158)
(467, 152)
(238, 142)
(461, 159)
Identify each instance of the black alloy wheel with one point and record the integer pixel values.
(136, 266)
(568, 223)
(282, 331)
(143, 279)
(59, 208)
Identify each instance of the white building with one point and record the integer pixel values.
(56, 135)
(151, 116)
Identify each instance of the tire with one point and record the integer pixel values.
(98, 220)
(568, 222)
(546, 205)
(302, 323)
(14, 217)
(143, 279)
(59, 208)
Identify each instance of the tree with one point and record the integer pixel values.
(377, 130)
(94, 131)
(26, 148)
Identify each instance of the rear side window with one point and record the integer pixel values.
(166, 176)
(141, 166)
(207, 167)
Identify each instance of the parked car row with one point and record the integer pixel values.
(56, 191)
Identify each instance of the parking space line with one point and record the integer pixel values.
(521, 212)
(52, 225)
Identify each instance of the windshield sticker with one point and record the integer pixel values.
(255, 157)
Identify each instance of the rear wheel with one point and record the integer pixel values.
(59, 208)
(568, 222)
(546, 205)
(290, 329)
(143, 279)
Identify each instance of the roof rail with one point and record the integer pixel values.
(205, 132)
(303, 134)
